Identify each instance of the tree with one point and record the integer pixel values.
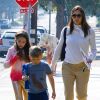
(8, 7)
(64, 7)
(60, 6)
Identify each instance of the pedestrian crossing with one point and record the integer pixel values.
(97, 38)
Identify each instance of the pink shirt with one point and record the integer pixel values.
(16, 66)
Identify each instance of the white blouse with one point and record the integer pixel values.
(74, 42)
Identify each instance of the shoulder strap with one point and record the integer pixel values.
(64, 35)
(62, 55)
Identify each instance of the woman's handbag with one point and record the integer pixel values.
(62, 55)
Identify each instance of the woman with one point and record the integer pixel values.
(76, 65)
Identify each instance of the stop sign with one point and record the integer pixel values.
(25, 3)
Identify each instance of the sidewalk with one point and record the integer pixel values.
(6, 90)
(93, 86)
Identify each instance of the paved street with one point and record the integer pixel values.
(6, 91)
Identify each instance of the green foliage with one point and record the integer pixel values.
(44, 4)
(8, 7)
(90, 7)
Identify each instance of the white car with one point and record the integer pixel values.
(7, 38)
(5, 24)
(41, 30)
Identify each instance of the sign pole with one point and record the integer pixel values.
(29, 21)
(34, 24)
(50, 8)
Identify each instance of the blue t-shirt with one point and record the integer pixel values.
(37, 76)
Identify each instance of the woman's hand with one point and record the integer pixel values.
(89, 61)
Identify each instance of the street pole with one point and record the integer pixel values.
(50, 8)
(34, 24)
(65, 16)
(65, 13)
(30, 24)
(29, 21)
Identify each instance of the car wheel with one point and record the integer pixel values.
(1, 54)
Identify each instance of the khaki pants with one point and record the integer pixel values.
(20, 92)
(72, 73)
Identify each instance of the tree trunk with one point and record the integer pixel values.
(34, 24)
(59, 20)
(12, 17)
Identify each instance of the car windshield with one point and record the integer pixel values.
(9, 35)
(3, 21)
(40, 30)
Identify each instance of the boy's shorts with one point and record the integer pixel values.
(38, 96)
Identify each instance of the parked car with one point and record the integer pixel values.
(98, 25)
(7, 38)
(5, 24)
(41, 30)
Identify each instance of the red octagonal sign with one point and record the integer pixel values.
(25, 3)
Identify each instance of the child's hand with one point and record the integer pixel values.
(25, 77)
(53, 95)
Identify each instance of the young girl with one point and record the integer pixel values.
(49, 42)
(17, 55)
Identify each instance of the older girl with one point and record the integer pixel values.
(17, 55)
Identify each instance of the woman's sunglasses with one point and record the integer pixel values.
(76, 15)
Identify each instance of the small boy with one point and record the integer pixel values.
(36, 75)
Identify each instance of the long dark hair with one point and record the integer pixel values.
(24, 52)
(84, 24)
